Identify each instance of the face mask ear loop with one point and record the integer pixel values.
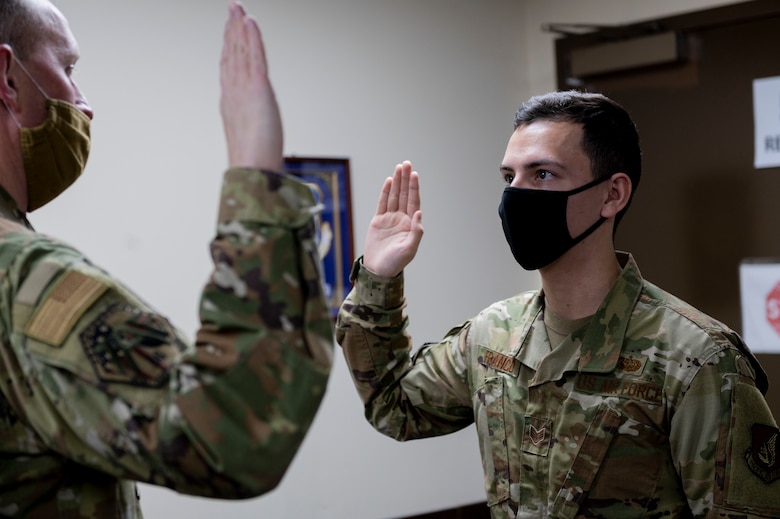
(30, 76)
(589, 185)
(587, 232)
(24, 69)
(12, 114)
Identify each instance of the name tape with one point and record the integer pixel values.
(498, 361)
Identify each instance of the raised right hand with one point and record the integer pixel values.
(396, 229)
(250, 114)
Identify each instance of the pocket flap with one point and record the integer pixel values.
(586, 465)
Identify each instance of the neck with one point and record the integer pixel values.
(576, 284)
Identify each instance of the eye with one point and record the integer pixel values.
(507, 175)
(543, 174)
(70, 69)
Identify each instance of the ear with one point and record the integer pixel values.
(8, 84)
(618, 195)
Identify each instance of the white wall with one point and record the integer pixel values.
(434, 81)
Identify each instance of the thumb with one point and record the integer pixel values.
(417, 227)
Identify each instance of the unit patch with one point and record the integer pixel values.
(128, 346)
(762, 456)
(498, 361)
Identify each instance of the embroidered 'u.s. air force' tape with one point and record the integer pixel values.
(498, 361)
(56, 315)
(636, 389)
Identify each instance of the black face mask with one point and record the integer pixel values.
(535, 226)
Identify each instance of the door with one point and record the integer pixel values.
(701, 207)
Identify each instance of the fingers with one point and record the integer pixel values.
(256, 47)
(413, 197)
(232, 42)
(395, 188)
(381, 206)
(250, 113)
(232, 32)
(243, 52)
(236, 7)
(401, 192)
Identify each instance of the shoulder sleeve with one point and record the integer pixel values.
(725, 441)
(405, 396)
(106, 381)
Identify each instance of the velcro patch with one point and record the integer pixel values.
(537, 435)
(126, 345)
(73, 294)
(762, 456)
(631, 364)
(37, 282)
(498, 361)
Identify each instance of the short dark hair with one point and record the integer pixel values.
(609, 139)
(20, 25)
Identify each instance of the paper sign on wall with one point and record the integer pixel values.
(759, 282)
(766, 117)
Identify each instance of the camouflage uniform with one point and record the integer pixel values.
(99, 390)
(652, 409)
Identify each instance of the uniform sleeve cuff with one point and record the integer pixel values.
(376, 290)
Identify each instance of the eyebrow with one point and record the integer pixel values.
(535, 164)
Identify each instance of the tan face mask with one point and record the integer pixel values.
(55, 152)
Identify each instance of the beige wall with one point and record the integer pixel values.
(434, 81)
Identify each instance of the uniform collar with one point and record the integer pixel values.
(604, 337)
(10, 211)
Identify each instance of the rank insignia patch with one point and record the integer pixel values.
(128, 346)
(631, 364)
(536, 435)
(762, 456)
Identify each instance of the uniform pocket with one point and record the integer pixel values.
(585, 467)
(491, 429)
(616, 469)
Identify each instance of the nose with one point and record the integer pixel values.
(82, 103)
(84, 107)
(519, 180)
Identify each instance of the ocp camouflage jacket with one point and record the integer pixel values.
(653, 409)
(98, 390)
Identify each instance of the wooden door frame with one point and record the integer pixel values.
(680, 24)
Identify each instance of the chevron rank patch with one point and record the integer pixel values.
(72, 295)
(537, 435)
